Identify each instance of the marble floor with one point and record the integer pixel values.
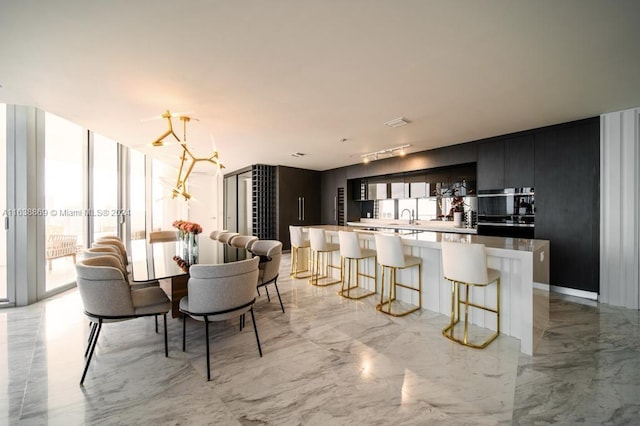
(327, 361)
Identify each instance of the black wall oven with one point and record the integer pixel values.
(508, 212)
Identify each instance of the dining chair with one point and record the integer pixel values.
(108, 250)
(242, 241)
(116, 243)
(107, 297)
(162, 236)
(214, 234)
(270, 254)
(220, 292)
(465, 264)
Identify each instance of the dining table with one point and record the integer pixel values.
(164, 262)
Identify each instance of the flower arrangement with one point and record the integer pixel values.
(189, 227)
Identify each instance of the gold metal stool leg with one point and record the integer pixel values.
(393, 284)
(295, 257)
(346, 280)
(448, 331)
(317, 266)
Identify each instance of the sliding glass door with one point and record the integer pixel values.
(64, 199)
(3, 203)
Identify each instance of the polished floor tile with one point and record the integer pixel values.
(327, 360)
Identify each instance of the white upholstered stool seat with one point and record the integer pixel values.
(350, 253)
(391, 258)
(299, 245)
(466, 265)
(321, 251)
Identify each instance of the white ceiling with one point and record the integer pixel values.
(269, 78)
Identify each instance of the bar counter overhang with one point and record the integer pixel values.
(524, 275)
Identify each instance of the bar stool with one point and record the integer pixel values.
(320, 252)
(350, 252)
(466, 264)
(391, 257)
(298, 242)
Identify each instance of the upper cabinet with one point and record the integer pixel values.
(506, 163)
(490, 165)
(518, 162)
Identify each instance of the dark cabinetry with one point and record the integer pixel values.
(567, 174)
(298, 200)
(491, 165)
(333, 187)
(506, 162)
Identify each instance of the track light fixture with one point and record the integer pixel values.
(385, 153)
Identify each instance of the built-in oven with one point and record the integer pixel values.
(507, 212)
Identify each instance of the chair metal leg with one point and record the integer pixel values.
(93, 346)
(266, 289)
(255, 329)
(275, 283)
(156, 318)
(206, 328)
(166, 344)
(184, 332)
(91, 335)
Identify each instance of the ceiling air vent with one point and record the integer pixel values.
(298, 154)
(397, 122)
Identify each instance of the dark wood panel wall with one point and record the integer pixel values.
(561, 162)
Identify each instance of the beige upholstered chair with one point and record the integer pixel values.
(391, 258)
(270, 254)
(220, 292)
(242, 241)
(299, 243)
(162, 236)
(110, 250)
(224, 237)
(107, 297)
(321, 251)
(466, 265)
(112, 242)
(350, 253)
(214, 234)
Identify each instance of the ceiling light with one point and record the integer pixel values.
(298, 154)
(389, 152)
(187, 158)
(397, 122)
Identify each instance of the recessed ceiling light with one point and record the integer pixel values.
(397, 122)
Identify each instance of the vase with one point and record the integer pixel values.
(457, 219)
(191, 246)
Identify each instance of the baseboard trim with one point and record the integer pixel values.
(575, 292)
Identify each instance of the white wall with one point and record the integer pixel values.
(619, 204)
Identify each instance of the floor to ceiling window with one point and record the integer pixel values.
(64, 199)
(3, 201)
(104, 206)
(137, 206)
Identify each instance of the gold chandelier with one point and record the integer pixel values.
(187, 159)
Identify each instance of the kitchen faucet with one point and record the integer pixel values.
(411, 214)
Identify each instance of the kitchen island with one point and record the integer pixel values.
(524, 275)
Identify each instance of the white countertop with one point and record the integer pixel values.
(433, 238)
(420, 225)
